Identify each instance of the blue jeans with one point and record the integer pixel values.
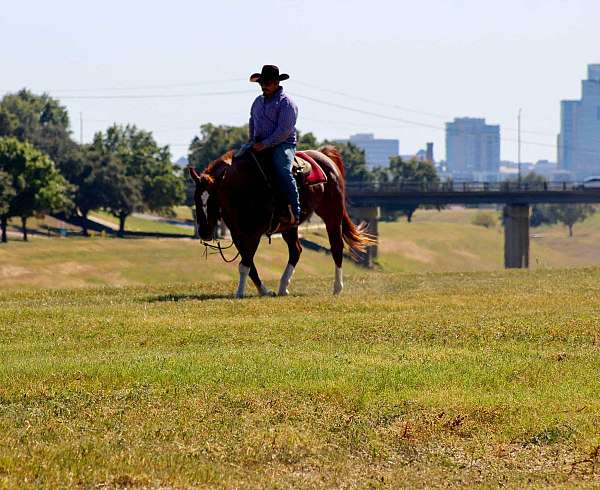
(283, 158)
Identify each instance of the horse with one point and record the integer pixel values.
(237, 189)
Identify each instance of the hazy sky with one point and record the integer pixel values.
(422, 63)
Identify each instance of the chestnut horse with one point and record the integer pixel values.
(238, 190)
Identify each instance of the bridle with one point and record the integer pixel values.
(218, 247)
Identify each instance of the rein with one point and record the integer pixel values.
(268, 183)
(220, 250)
(261, 170)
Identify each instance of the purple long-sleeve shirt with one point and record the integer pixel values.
(273, 119)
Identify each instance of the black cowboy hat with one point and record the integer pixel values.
(269, 72)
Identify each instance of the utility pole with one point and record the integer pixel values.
(81, 128)
(519, 145)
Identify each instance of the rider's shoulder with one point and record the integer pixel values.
(285, 99)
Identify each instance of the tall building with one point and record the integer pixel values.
(473, 148)
(579, 138)
(377, 151)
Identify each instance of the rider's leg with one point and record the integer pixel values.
(283, 158)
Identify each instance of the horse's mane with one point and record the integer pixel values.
(226, 158)
(214, 166)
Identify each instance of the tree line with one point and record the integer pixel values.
(124, 170)
(43, 170)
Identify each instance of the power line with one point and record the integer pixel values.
(234, 80)
(402, 108)
(425, 125)
(156, 96)
(145, 87)
(313, 99)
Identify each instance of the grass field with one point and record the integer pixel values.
(126, 363)
(407, 380)
(435, 242)
(135, 223)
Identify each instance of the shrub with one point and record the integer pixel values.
(485, 218)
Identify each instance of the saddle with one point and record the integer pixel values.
(307, 171)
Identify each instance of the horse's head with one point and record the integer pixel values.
(206, 196)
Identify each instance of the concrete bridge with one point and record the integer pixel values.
(366, 198)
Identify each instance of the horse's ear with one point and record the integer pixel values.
(194, 175)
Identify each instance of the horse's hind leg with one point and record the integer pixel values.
(336, 242)
(294, 249)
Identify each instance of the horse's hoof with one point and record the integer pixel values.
(337, 290)
(268, 294)
(283, 293)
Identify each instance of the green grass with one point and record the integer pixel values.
(407, 380)
(183, 212)
(134, 223)
(126, 363)
(87, 262)
(434, 242)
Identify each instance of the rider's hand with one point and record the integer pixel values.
(258, 147)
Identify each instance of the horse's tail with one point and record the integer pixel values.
(355, 236)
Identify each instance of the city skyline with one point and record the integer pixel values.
(579, 138)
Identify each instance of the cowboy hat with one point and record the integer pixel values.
(269, 72)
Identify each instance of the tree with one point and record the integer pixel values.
(42, 121)
(487, 219)
(7, 193)
(543, 214)
(354, 161)
(569, 214)
(84, 170)
(144, 176)
(37, 185)
(307, 141)
(120, 193)
(214, 141)
(39, 120)
(415, 175)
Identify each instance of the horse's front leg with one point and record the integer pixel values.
(294, 249)
(247, 248)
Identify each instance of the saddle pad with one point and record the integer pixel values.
(316, 174)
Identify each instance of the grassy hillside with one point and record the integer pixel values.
(461, 379)
(75, 262)
(434, 242)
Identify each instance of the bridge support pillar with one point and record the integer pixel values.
(371, 217)
(516, 236)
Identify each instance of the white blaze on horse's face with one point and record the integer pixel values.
(205, 195)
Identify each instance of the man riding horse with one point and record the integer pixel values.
(273, 126)
(237, 189)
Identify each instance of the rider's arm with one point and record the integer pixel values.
(251, 124)
(286, 122)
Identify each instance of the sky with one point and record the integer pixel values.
(397, 69)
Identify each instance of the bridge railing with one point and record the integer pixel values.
(421, 186)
